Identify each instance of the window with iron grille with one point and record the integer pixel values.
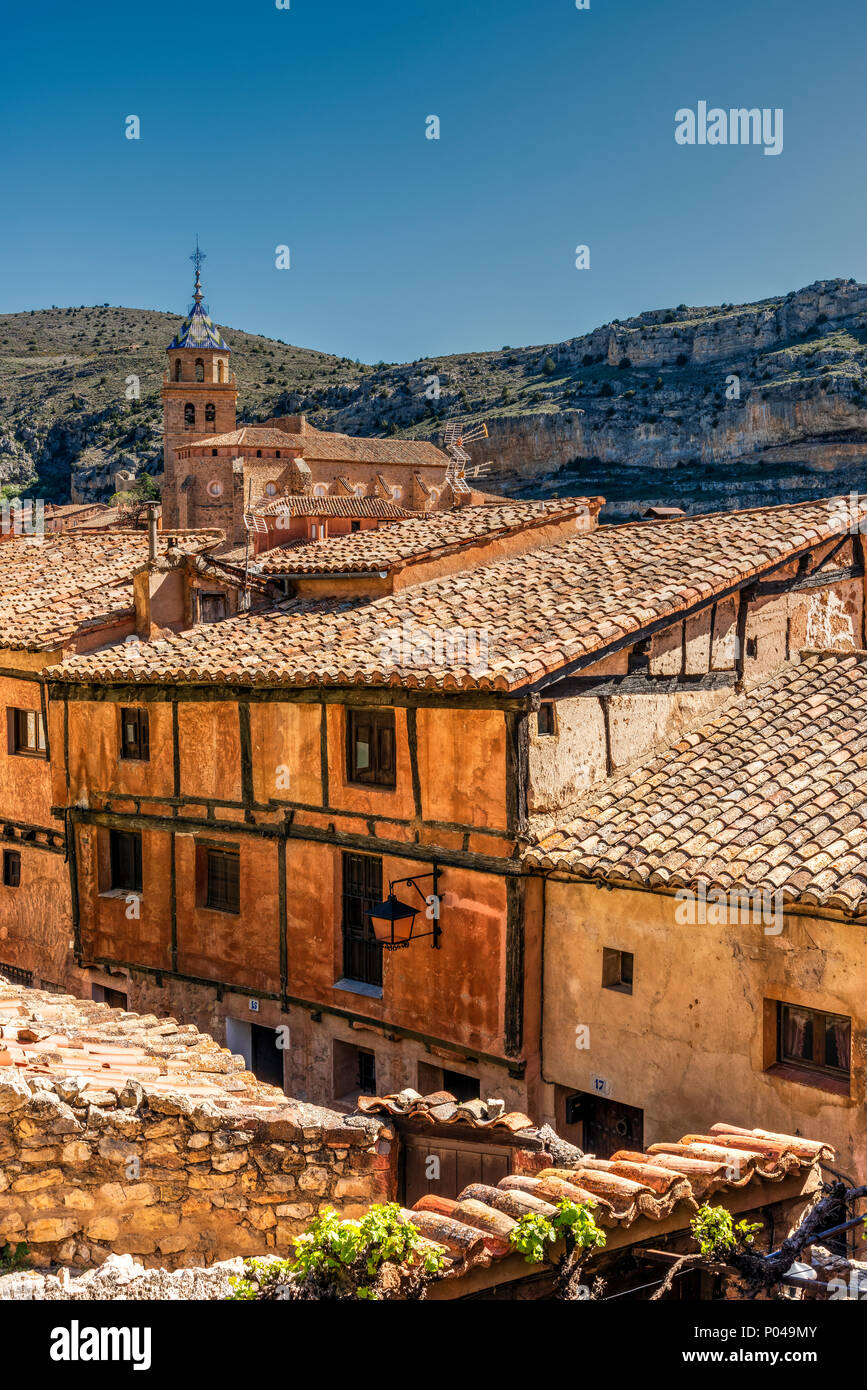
(370, 747)
(26, 733)
(11, 868)
(134, 734)
(125, 859)
(212, 607)
(223, 885)
(362, 889)
(815, 1040)
(15, 975)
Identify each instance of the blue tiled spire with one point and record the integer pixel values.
(198, 329)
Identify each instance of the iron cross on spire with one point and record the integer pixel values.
(197, 257)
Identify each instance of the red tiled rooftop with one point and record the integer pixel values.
(502, 626)
(769, 796)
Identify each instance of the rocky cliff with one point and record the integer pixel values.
(735, 405)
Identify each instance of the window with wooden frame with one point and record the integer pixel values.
(546, 720)
(124, 852)
(11, 868)
(218, 875)
(212, 607)
(370, 747)
(814, 1041)
(362, 890)
(618, 969)
(26, 733)
(134, 734)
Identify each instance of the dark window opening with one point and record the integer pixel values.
(213, 453)
(200, 369)
(362, 889)
(546, 720)
(278, 453)
(366, 1078)
(134, 735)
(11, 868)
(370, 747)
(210, 414)
(639, 657)
(461, 1087)
(125, 859)
(258, 453)
(355, 525)
(267, 1056)
(26, 732)
(815, 1040)
(752, 646)
(222, 880)
(617, 970)
(178, 369)
(115, 998)
(212, 607)
(189, 416)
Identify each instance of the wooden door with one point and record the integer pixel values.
(444, 1167)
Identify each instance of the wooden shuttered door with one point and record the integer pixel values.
(362, 889)
(458, 1162)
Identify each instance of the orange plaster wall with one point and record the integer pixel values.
(210, 745)
(36, 918)
(455, 993)
(285, 741)
(106, 930)
(243, 949)
(25, 782)
(94, 747)
(462, 766)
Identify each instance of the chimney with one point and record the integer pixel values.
(152, 531)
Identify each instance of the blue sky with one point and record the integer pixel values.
(306, 127)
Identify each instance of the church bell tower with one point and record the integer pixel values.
(200, 397)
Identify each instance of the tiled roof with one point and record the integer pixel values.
(437, 532)
(294, 504)
(502, 626)
(198, 330)
(325, 446)
(97, 1048)
(771, 795)
(666, 1180)
(52, 590)
(441, 1108)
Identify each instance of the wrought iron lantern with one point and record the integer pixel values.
(393, 921)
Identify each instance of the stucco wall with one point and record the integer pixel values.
(688, 1045)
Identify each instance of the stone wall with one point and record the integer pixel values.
(129, 1134)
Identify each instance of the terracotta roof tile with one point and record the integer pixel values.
(57, 586)
(737, 800)
(498, 627)
(389, 547)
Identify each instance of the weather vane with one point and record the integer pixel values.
(197, 257)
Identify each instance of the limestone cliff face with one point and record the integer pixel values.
(735, 407)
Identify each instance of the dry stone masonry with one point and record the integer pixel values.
(132, 1135)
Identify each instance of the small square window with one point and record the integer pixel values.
(212, 607)
(546, 720)
(752, 646)
(370, 747)
(11, 868)
(814, 1040)
(26, 732)
(617, 970)
(134, 734)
